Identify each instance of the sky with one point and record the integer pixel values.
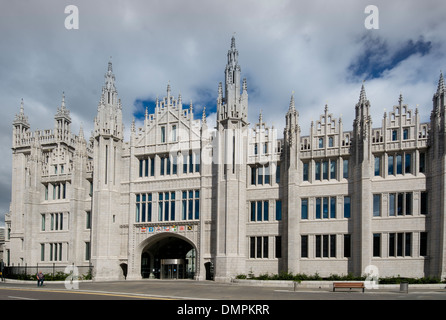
(322, 51)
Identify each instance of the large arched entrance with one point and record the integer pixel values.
(168, 256)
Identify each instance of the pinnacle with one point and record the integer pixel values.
(441, 86)
(292, 105)
(362, 95)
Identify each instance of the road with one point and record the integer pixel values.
(184, 294)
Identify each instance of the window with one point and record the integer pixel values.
(399, 164)
(347, 208)
(259, 247)
(56, 222)
(175, 165)
(162, 165)
(305, 171)
(261, 175)
(259, 210)
(278, 173)
(278, 247)
(304, 209)
(141, 167)
(144, 207)
(197, 161)
(376, 205)
(345, 169)
(423, 203)
(332, 169)
(347, 245)
(191, 205)
(55, 251)
(326, 207)
(42, 252)
(405, 134)
(146, 166)
(325, 170)
(321, 142)
(390, 165)
(87, 219)
(163, 134)
(422, 167)
(394, 135)
(174, 133)
(325, 246)
(408, 203)
(304, 246)
(318, 171)
(87, 251)
(267, 175)
(400, 204)
(377, 165)
(278, 210)
(330, 142)
(318, 208)
(407, 163)
(400, 244)
(376, 245)
(166, 206)
(185, 161)
(43, 222)
(333, 207)
(392, 204)
(423, 243)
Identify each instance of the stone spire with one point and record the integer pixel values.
(441, 87)
(21, 118)
(362, 95)
(292, 104)
(109, 92)
(363, 105)
(62, 111)
(203, 117)
(109, 117)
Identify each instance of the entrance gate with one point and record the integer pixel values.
(168, 256)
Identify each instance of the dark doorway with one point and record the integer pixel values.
(209, 266)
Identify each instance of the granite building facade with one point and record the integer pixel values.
(182, 200)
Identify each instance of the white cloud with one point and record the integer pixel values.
(305, 46)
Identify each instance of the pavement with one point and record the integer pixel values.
(190, 298)
(182, 299)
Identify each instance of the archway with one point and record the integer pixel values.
(168, 256)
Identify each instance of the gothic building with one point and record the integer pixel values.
(181, 200)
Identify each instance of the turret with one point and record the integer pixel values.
(62, 121)
(20, 124)
(233, 104)
(109, 118)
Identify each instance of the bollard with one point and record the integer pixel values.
(404, 287)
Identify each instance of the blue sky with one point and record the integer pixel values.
(377, 58)
(320, 50)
